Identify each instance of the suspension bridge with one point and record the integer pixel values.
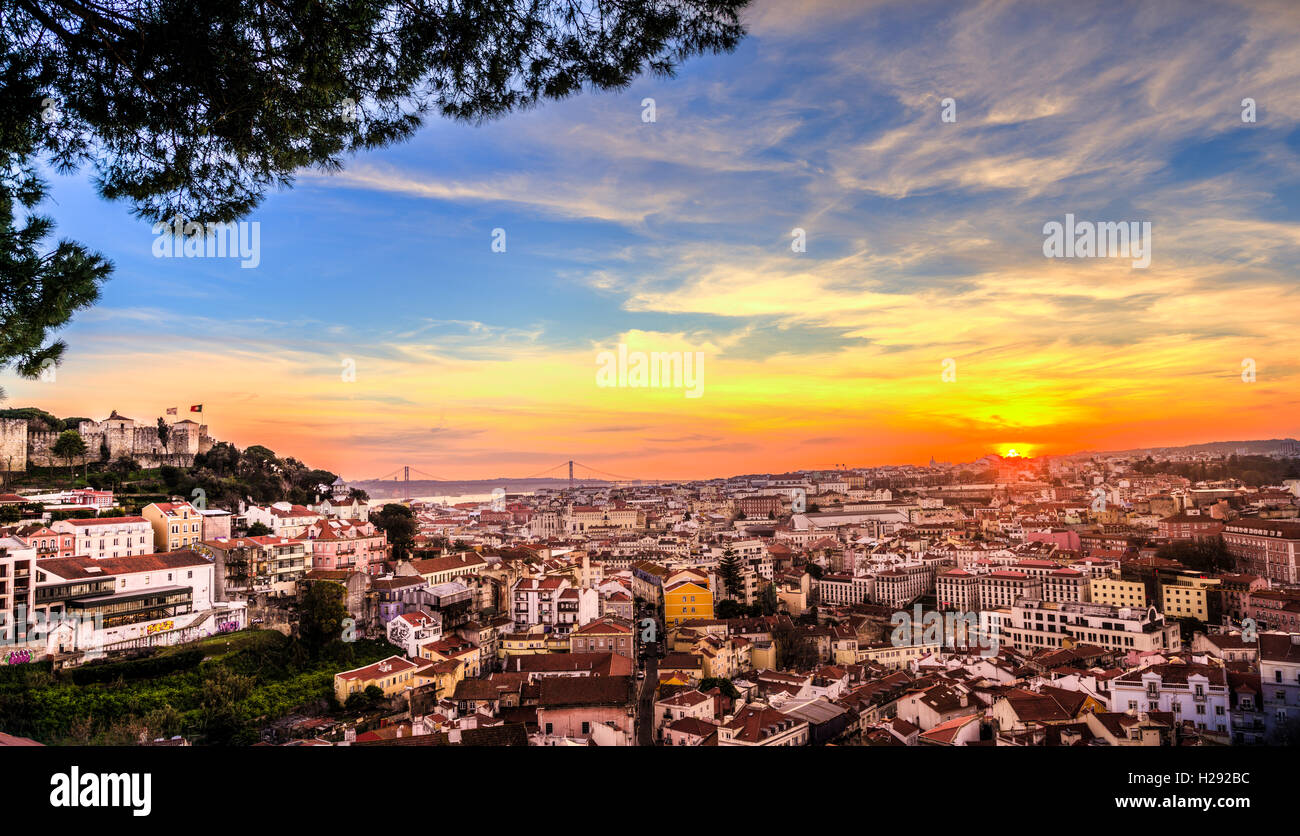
(577, 472)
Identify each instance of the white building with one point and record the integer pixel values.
(957, 589)
(283, 518)
(410, 630)
(1192, 692)
(17, 580)
(109, 536)
(1035, 625)
(552, 602)
(1004, 587)
(1279, 677)
(119, 603)
(845, 589)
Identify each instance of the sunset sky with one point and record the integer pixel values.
(924, 243)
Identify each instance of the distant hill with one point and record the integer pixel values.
(1220, 448)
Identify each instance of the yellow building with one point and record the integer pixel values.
(442, 676)
(455, 649)
(1189, 598)
(522, 644)
(685, 600)
(176, 525)
(391, 675)
(762, 656)
(724, 658)
(1119, 593)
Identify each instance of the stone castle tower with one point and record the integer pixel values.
(20, 445)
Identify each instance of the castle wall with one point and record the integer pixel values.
(22, 446)
(13, 444)
(39, 446)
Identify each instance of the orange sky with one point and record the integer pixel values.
(923, 245)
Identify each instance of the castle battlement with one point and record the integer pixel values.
(119, 437)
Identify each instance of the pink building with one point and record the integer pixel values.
(595, 708)
(346, 544)
(1274, 610)
(46, 541)
(1063, 538)
(1189, 527)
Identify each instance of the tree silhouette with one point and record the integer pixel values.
(729, 572)
(198, 108)
(40, 289)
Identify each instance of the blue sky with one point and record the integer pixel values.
(924, 243)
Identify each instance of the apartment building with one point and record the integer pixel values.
(1279, 678)
(283, 518)
(1004, 587)
(17, 602)
(176, 525)
(1194, 692)
(685, 600)
(262, 565)
(1035, 625)
(1118, 593)
(1189, 526)
(1268, 548)
(958, 590)
(1066, 584)
(902, 585)
(537, 601)
(759, 725)
(346, 544)
(46, 541)
(102, 537)
(438, 570)
(1186, 593)
(841, 589)
(604, 635)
